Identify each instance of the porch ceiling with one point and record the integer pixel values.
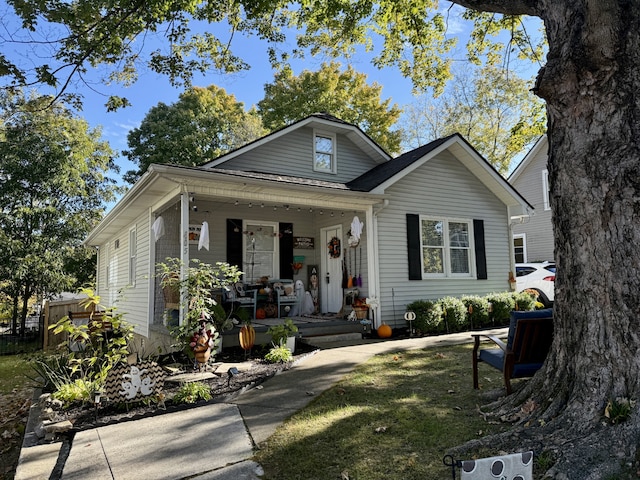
(163, 183)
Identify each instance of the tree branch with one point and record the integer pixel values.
(506, 7)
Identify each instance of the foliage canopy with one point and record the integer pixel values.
(342, 93)
(53, 190)
(203, 124)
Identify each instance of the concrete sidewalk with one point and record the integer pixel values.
(216, 441)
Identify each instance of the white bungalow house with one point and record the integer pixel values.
(436, 221)
(533, 237)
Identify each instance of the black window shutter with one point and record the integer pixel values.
(234, 242)
(286, 249)
(413, 246)
(481, 255)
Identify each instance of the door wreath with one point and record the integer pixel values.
(334, 247)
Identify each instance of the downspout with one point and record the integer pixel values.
(372, 261)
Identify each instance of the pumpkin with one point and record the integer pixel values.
(384, 331)
(247, 337)
(261, 314)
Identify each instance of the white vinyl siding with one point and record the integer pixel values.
(441, 188)
(115, 271)
(292, 156)
(537, 229)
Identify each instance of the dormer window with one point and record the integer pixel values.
(324, 152)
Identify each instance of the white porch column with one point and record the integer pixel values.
(184, 251)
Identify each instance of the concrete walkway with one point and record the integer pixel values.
(216, 441)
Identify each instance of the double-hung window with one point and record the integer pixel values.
(446, 247)
(324, 152)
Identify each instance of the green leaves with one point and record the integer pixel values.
(344, 93)
(202, 125)
(53, 188)
(196, 36)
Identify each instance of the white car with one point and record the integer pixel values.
(537, 276)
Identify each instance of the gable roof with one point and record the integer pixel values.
(540, 144)
(382, 176)
(323, 121)
(381, 173)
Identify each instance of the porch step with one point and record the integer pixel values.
(319, 340)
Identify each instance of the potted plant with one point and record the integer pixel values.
(201, 284)
(284, 334)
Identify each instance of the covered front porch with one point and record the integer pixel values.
(282, 235)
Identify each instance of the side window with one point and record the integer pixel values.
(519, 248)
(545, 189)
(324, 152)
(133, 247)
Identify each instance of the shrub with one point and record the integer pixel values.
(477, 310)
(80, 390)
(279, 353)
(454, 314)
(428, 316)
(103, 343)
(280, 333)
(192, 392)
(524, 300)
(502, 304)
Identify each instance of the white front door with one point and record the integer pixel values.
(331, 274)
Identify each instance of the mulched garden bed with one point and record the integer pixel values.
(252, 372)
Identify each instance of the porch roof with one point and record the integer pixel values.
(161, 184)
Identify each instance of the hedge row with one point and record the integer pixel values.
(451, 314)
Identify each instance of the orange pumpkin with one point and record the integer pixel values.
(247, 337)
(261, 314)
(384, 331)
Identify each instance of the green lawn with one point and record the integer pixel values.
(392, 418)
(13, 372)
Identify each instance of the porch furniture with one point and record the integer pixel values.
(285, 293)
(528, 342)
(240, 297)
(509, 467)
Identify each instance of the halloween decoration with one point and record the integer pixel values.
(384, 331)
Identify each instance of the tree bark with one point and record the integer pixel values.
(591, 84)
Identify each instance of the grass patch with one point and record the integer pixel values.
(15, 371)
(392, 418)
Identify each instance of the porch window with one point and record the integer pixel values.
(324, 157)
(260, 250)
(446, 247)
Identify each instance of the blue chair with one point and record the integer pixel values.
(528, 342)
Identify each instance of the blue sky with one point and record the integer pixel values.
(248, 86)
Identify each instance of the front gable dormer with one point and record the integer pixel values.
(320, 147)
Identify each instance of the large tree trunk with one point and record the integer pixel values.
(591, 84)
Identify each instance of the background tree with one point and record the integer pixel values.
(342, 93)
(53, 190)
(590, 84)
(202, 125)
(495, 111)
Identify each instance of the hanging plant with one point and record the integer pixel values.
(334, 247)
